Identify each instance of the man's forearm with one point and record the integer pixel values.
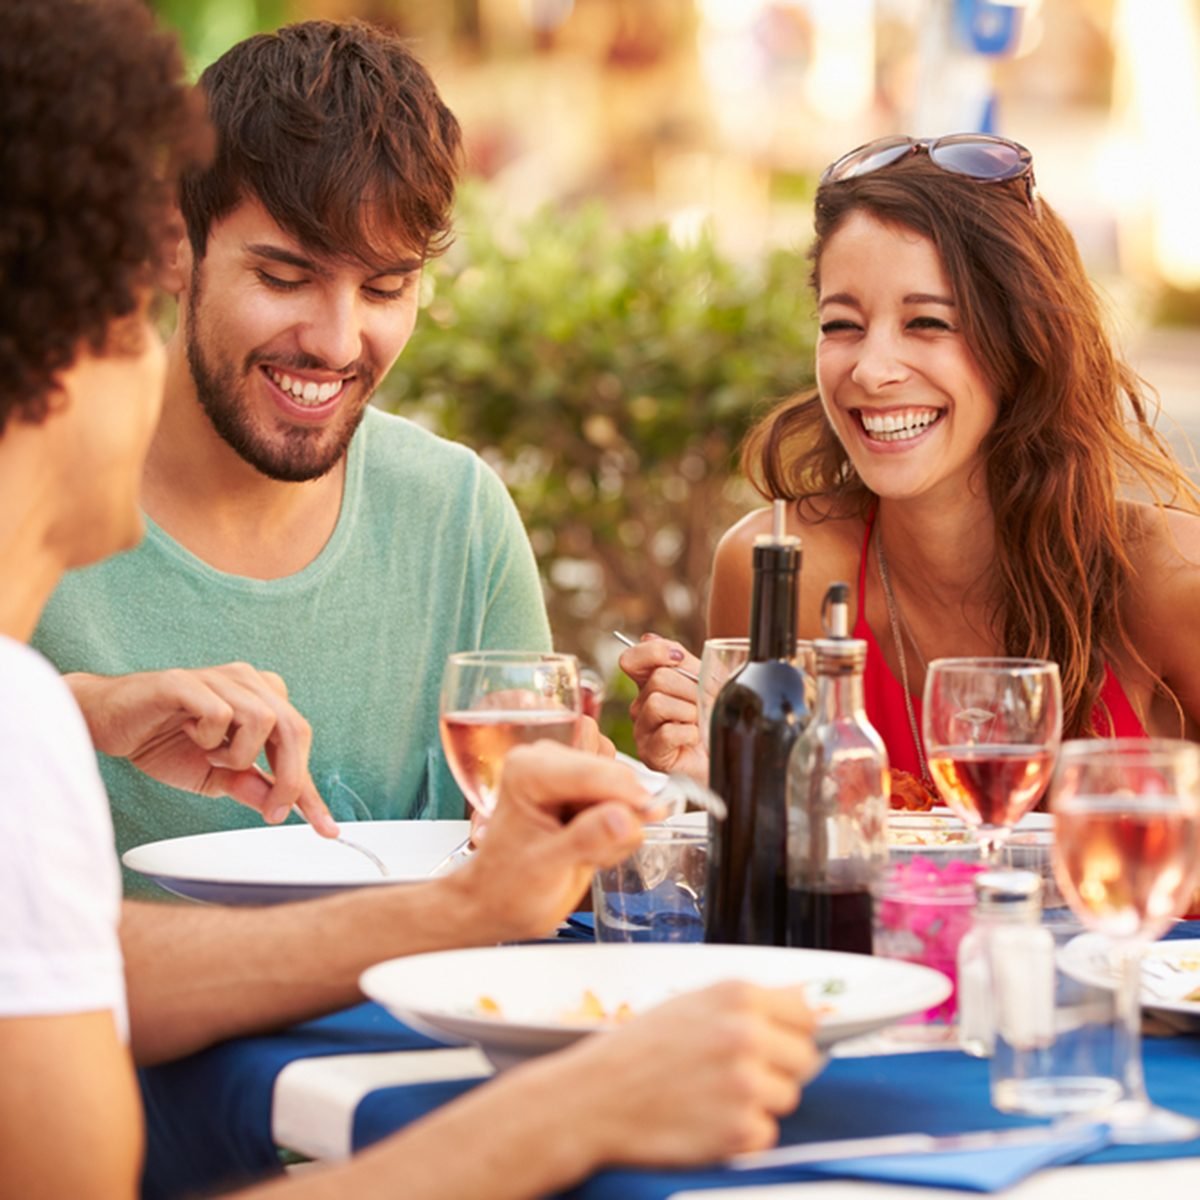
(523, 1135)
(197, 975)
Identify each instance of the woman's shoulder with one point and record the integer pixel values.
(1162, 608)
(831, 547)
(834, 537)
(1164, 551)
(1164, 544)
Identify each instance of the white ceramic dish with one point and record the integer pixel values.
(914, 831)
(1170, 971)
(269, 865)
(539, 988)
(941, 832)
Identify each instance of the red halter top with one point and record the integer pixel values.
(884, 696)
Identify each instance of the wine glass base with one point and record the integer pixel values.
(1138, 1123)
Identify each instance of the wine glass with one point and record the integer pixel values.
(720, 658)
(724, 657)
(1127, 856)
(992, 728)
(493, 700)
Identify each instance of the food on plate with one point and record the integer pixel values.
(936, 832)
(910, 794)
(589, 1010)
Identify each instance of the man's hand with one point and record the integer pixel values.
(561, 814)
(666, 712)
(202, 730)
(697, 1079)
(705, 1076)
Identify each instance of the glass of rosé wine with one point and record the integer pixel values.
(992, 729)
(493, 700)
(1127, 857)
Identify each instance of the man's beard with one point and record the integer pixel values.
(293, 455)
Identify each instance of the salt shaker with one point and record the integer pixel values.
(1006, 971)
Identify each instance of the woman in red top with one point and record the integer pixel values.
(966, 459)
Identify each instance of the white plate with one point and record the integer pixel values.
(537, 986)
(1170, 970)
(271, 864)
(940, 828)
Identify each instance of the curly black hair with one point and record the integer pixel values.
(96, 123)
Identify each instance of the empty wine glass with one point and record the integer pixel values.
(992, 727)
(720, 658)
(493, 700)
(723, 657)
(1127, 856)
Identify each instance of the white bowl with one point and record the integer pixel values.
(272, 864)
(536, 987)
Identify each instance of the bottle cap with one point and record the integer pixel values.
(777, 536)
(1008, 891)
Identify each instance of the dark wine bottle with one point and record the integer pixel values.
(837, 794)
(756, 718)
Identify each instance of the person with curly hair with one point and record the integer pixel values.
(976, 456)
(290, 525)
(95, 123)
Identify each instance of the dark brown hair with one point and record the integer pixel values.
(95, 120)
(339, 132)
(1073, 425)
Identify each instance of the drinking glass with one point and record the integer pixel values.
(723, 657)
(1127, 827)
(992, 728)
(657, 893)
(493, 700)
(720, 658)
(592, 693)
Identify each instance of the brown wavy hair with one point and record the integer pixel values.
(96, 120)
(1074, 423)
(339, 132)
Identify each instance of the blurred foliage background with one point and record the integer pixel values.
(609, 376)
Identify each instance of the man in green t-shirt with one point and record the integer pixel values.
(290, 526)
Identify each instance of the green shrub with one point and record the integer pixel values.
(609, 377)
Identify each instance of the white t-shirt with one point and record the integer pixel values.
(60, 887)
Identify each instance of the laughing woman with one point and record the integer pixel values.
(976, 456)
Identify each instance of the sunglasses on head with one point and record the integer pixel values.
(980, 156)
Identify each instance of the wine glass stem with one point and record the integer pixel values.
(990, 841)
(1127, 1051)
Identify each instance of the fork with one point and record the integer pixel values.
(626, 640)
(380, 865)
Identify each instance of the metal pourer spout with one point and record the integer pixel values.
(835, 611)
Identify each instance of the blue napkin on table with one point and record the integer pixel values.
(990, 1170)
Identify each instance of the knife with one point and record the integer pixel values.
(915, 1143)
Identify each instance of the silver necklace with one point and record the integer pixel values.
(894, 620)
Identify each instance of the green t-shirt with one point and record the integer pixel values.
(428, 557)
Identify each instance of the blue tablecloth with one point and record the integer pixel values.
(209, 1116)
